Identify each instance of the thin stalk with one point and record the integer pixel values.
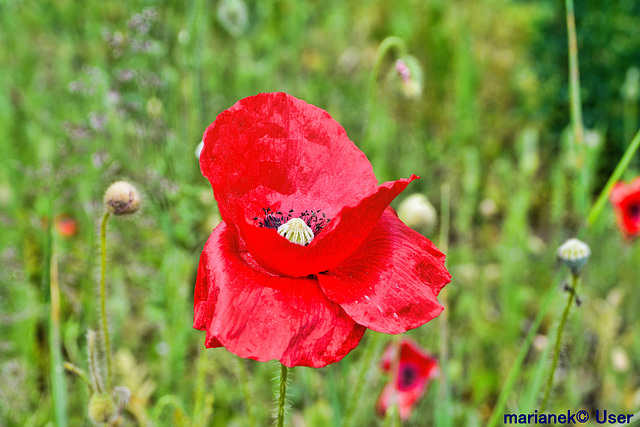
(103, 297)
(282, 395)
(574, 78)
(443, 414)
(615, 176)
(59, 389)
(370, 350)
(80, 373)
(246, 390)
(93, 362)
(392, 416)
(498, 410)
(575, 281)
(386, 45)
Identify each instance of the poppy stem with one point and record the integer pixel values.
(371, 349)
(386, 45)
(392, 417)
(575, 281)
(103, 296)
(80, 373)
(282, 395)
(244, 379)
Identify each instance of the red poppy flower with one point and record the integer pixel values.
(625, 199)
(66, 226)
(308, 254)
(412, 369)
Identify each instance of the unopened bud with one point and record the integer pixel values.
(122, 198)
(574, 254)
(410, 72)
(102, 408)
(416, 212)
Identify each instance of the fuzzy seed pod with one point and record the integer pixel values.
(101, 408)
(122, 198)
(574, 254)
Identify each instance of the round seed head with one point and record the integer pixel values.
(122, 198)
(574, 254)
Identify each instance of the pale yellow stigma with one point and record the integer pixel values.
(296, 231)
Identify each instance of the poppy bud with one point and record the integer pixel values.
(574, 254)
(410, 72)
(101, 408)
(416, 212)
(122, 198)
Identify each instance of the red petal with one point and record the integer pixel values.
(625, 199)
(256, 315)
(344, 235)
(391, 282)
(286, 146)
(273, 150)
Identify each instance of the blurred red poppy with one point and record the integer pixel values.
(412, 369)
(308, 254)
(625, 199)
(66, 226)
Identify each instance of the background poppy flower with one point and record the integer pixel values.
(308, 254)
(412, 370)
(625, 199)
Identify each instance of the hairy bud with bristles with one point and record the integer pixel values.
(102, 408)
(574, 254)
(122, 198)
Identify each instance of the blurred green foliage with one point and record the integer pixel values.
(94, 92)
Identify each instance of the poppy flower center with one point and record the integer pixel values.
(634, 211)
(299, 230)
(407, 378)
(296, 231)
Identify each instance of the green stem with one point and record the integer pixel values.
(244, 379)
(93, 362)
(370, 351)
(498, 410)
(386, 45)
(392, 416)
(59, 389)
(574, 77)
(282, 395)
(103, 297)
(443, 417)
(575, 281)
(615, 176)
(80, 373)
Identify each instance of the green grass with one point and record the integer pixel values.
(86, 99)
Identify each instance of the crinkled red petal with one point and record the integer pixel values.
(391, 282)
(257, 315)
(282, 144)
(344, 236)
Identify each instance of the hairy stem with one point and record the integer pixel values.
(282, 395)
(575, 281)
(103, 297)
